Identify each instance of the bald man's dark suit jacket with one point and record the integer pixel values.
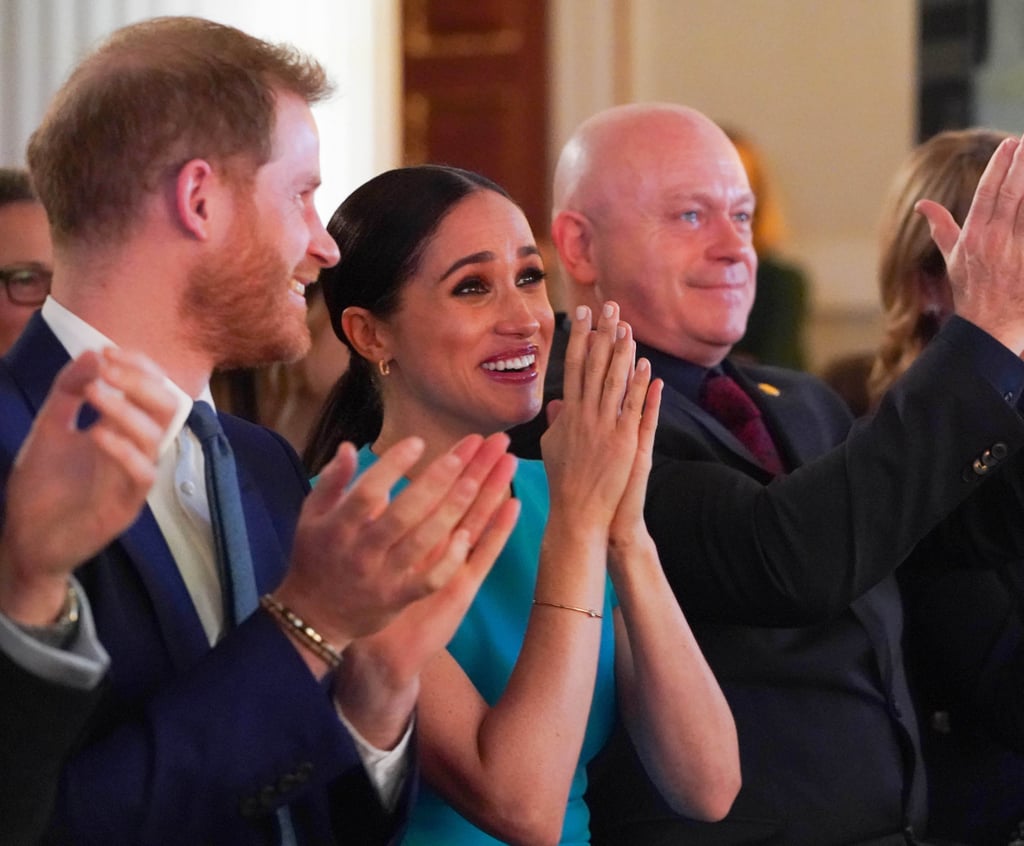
(787, 585)
(192, 744)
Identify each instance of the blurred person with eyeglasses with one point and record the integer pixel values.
(26, 254)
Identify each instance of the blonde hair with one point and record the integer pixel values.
(946, 169)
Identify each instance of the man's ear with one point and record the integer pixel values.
(367, 334)
(193, 197)
(573, 237)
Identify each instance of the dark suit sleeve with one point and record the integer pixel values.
(801, 548)
(39, 723)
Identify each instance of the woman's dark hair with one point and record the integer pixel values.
(382, 230)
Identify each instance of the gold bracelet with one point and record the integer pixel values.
(590, 612)
(303, 631)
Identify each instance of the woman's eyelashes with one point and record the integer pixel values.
(477, 284)
(532, 276)
(470, 285)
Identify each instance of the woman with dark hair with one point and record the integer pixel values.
(440, 295)
(964, 623)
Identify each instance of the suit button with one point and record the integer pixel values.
(250, 807)
(268, 797)
(289, 781)
(1000, 451)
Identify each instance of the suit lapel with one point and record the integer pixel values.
(180, 626)
(686, 414)
(264, 544)
(34, 362)
(796, 432)
(798, 429)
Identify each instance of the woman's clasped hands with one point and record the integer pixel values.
(597, 448)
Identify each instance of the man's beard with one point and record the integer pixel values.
(238, 306)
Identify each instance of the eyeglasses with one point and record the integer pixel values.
(26, 284)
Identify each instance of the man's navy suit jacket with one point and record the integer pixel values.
(192, 744)
(788, 587)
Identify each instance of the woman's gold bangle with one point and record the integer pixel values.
(590, 612)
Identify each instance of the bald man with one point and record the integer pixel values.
(779, 539)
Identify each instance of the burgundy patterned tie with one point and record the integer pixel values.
(728, 403)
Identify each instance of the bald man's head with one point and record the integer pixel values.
(611, 149)
(652, 208)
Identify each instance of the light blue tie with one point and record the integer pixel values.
(237, 578)
(226, 517)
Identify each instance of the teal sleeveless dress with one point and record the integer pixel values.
(486, 646)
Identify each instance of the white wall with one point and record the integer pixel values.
(41, 40)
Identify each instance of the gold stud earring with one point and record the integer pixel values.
(383, 367)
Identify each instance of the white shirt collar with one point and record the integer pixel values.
(77, 337)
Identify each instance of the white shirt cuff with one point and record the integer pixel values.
(386, 769)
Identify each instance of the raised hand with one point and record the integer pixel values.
(985, 259)
(590, 446)
(72, 491)
(385, 667)
(628, 528)
(360, 558)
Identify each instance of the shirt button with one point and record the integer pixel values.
(188, 488)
